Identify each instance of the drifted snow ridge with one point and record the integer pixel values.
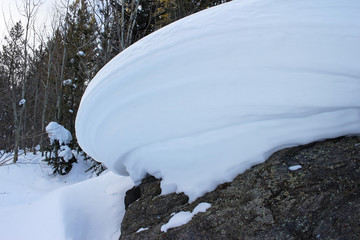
(203, 99)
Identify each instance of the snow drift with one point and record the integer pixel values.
(205, 98)
(88, 210)
(34, 204)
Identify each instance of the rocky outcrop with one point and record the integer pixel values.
(321, 200)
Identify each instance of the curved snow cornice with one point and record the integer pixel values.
(205, 98)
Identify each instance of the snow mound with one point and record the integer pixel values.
(88, 210)
(35, 204)
(205, 98)
(58, 132)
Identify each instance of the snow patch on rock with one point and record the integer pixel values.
(182, 217)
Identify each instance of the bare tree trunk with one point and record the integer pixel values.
(14, 41)
(103, 15)
(34, 140)
(46, 92)
(59, 83)
(132, 22)
(29, 11)
(16, 124)
(51, 50)
(123, 44)
(107, 30)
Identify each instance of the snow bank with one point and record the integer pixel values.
(84, 211)
(37, 205)
(34, 204)
(31, 178)
(205, 98)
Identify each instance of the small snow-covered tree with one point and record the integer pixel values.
(63, 151)
(60, 156)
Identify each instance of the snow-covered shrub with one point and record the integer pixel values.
(64, 151)
(61, 157)
(97, 167)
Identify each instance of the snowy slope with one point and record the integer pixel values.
(31, 178)
(205, 98)
(37, 205)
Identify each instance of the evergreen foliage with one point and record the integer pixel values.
(56, 161)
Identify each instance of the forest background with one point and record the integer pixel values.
(44, 73)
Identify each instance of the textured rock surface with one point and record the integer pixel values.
(321, 200)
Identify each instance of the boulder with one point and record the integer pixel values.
(305, 192)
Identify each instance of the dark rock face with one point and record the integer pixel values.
(131, 196)
(321, 200)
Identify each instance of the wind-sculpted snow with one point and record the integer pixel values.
(205, 98)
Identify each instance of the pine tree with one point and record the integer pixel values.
(80, 62)
(11, 59)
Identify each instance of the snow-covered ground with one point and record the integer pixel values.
(196, 103)
(34, 204)
(205, 98)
